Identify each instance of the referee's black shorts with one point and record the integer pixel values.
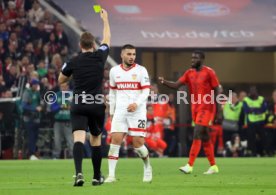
(88, 115)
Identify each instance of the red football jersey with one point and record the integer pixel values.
(200, 84)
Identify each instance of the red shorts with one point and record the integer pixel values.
(203, 117)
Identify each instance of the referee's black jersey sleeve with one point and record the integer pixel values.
(87, 70)
(67, 68)
(103, 51)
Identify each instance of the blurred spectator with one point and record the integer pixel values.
(62, 125)
(21, 40)
(45, 55)
(12, 10)
(48, 22)
(12, 52)
(169, 128)
(11, 77)
(57, 62)
(29, 70)
(153, 138)
(2, 81)
(21, 15)
(25, 26)
(242, 95)
(41, 69)
(2, 52)
(34, 75)
(24, 63)
(29, 51)
(54, 46)
(4, 92)
(272, 106)
(60, 34)
(232, 117)
(52, 77)
(35, 14)
(19, 4)
(44, 86)
(4, 34)
(64, 53)
(234, 147)
(39, 34)
(7, 64)
(255, 108)
(31, 115)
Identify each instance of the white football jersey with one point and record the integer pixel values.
(129, 84)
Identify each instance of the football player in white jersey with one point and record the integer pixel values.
(129, 91)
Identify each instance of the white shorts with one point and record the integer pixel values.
(134, 124)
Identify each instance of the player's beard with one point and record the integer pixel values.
(128, 64)
(196, 65)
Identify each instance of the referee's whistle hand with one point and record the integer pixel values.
(132, 107)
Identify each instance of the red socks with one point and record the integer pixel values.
(209, 152)
(195, 149)
(208, 149)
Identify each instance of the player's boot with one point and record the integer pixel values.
(147, 174)
(187, 169)
(79, 180)
(212, 170)
(97, 182)
(110, 179)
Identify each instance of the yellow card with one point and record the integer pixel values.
(97, 8)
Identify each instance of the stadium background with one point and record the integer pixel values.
(238, 38)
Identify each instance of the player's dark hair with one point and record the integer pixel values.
(128, 46)
(87, 40)
(200, 53)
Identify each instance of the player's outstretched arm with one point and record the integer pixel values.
(170, 84)
(106, 28)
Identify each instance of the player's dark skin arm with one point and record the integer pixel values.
(170, 84)
(218, 116)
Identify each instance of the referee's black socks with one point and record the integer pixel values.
(78, 156)
(96, 158)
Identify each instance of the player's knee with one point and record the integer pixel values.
(197, 134)
(79, 136)
(116, 138)
(138, 142)
(205, 137)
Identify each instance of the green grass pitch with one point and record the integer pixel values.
(237, 176)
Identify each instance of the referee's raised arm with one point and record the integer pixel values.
(106, 28)
(87, 45)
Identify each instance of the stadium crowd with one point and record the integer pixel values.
(33, 48)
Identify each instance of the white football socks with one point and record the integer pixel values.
(113, 156)
(144, 154)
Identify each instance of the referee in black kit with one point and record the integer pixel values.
(87, 71)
